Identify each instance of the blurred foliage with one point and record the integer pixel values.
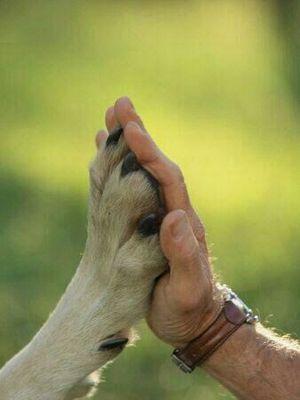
(217, 84)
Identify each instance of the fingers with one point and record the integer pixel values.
(165, 171)
(152, 159)
(150, 156)
(181, 248)
(120, 114)
(125, 112)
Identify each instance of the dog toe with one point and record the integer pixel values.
(130, 164)
(149, 225)
(114, 137)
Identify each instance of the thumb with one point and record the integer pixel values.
(180, 247)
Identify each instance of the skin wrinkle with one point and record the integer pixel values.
(247, 356)
(264, 370)
(253, 363)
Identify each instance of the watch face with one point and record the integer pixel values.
(234, 312)
(250, 317)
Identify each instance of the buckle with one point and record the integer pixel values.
(181, 364)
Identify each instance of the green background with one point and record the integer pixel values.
(218, 86)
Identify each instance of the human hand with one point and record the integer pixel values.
(185, 300)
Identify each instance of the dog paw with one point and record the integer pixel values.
(125, 212)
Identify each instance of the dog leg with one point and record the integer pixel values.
(109, 292)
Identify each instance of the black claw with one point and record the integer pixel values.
(114, 137)
(113, 343)
(153, 182)
(149, 225)
(130, 164)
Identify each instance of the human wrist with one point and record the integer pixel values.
(233, 315)
(239, 363)
(215, 303)
(197, 320)
(230, 352)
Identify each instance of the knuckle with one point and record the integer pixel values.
(189, 253)
(191, 257)
(177, 171)
(191, 303)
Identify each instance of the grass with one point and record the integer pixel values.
(209, 79)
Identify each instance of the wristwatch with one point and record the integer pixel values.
(234, 313)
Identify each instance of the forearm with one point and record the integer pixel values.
(256, 364)
(65, 350)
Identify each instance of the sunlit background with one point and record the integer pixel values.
(218, 86)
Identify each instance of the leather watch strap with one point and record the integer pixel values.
(197, 351)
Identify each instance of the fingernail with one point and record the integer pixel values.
(130, 102)
(134, 124)
(180, 227)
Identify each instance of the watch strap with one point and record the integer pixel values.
(197, 351)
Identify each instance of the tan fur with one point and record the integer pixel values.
(108, 294)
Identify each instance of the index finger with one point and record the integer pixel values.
(151, 157)
(166, 172)
(158, 164)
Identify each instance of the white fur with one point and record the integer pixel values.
(108, 294)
